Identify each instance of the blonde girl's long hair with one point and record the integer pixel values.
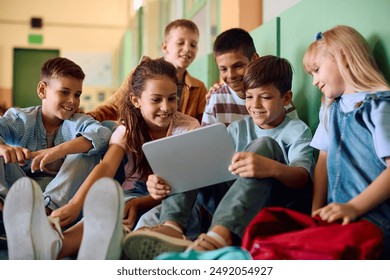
(137, 132)
(352, 55)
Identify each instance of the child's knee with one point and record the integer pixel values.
(266, 146)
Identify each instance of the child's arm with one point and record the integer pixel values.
(375, 194)
(247, 164)
(157, 188)
(13, 126)
(135, 205)
(106, 168)
(320, 183)
(43, 157)
(209, 114)
(212, 89)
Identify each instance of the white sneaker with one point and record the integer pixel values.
(103, 214)
(30, 236)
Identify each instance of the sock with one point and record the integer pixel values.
(174, 227)
(218, 238)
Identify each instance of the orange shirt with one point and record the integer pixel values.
(192, 102)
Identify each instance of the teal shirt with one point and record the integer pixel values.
(292, 135)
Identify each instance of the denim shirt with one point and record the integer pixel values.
(24, 127)
(356, 152)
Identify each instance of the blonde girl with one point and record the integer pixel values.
(352, 175)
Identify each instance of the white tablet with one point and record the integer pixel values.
(193, 159)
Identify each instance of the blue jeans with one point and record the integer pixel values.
(151, 217)
(57, 190)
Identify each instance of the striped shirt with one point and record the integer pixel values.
(224, 106)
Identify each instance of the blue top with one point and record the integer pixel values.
(376, 117)
(292, 135)
(24, 127)
(224, 106)
(356, 137)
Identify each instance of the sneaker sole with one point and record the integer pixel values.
(103, 215)
(24, 207)
(146, 245)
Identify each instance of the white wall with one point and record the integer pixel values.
(273, 8)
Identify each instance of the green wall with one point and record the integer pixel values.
(299, 24)
(27, 65)
(267, 38)
(128, 59)
(205, 69)
(291, 33)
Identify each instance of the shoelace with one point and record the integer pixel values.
(55, 223)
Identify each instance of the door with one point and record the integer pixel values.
(26, 74)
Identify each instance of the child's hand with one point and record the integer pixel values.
(67, 213)
(157, 187)
(130, 212)
(337, 211)
(211, 90)
(14, 154)
(43, 157)
(251, 165)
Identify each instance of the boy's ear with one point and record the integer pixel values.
(255, 56)
(164, 46)
(287, 97)
(41, 89)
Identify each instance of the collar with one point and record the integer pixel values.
(190, 81)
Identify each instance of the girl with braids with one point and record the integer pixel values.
(147, 112)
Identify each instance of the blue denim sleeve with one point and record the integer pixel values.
(93, 130)
(12, 127)
(378, 122)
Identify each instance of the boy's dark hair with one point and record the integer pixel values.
(188, 24)
(269, 70)
(61, 67)
(234, 40)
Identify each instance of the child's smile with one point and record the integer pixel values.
(158, 102)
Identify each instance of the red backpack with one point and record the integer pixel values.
(280, 233)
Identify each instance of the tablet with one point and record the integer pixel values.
(193, 159)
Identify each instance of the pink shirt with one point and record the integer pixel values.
(180, 123)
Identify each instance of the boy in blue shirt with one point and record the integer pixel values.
(51, 143)
(274, 162)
